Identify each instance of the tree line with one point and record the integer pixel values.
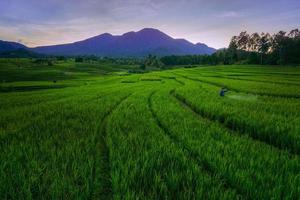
(280, 48)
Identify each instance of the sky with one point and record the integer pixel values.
(213, 22)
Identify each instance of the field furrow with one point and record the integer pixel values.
(235, 158)
(194, 156)
(146, 164)
(102, 169)
(261, 81)
(239, 89)
(233, 127)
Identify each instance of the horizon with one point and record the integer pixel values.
(213, 23)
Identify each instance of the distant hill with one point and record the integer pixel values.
(131, 44)
(10, 46)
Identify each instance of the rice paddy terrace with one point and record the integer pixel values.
(68, 133)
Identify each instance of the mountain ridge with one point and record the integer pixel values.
(10, 46)
(130, 44)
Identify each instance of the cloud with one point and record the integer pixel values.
(229, 14)
(59, 21)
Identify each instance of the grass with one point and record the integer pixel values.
(99, 132)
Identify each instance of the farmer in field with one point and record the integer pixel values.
(223, 91)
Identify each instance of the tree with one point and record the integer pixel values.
(279, 46)
(232, 50)
(143, 66)
(253, 42)
(295, 34)
(264, 45)
(78, 59)
(243, 40)
(153, 61)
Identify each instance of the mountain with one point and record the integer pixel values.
(131, 44)
(10, 46)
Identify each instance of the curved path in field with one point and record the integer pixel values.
(104, 190)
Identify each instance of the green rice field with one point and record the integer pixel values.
(95, 131)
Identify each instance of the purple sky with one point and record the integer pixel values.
(45, 22)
